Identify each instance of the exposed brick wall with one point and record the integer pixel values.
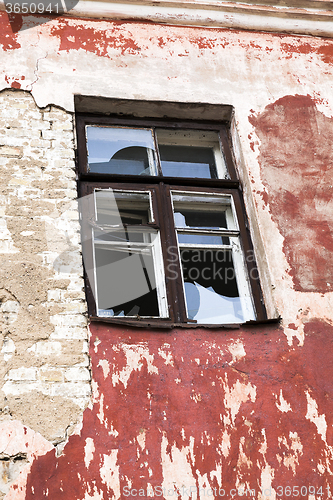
(44, 374)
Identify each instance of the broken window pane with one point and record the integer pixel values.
(201, 212)
(122, 151)
(196, 210)
(193, 217)
(211, 290)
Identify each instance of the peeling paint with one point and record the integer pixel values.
(283, 405)
(312, 415)
(296, 164)
(89, 452)
(93, 40)
(254, 428)
(17, 440)
(8, 39)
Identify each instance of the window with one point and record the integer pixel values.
(164, 232)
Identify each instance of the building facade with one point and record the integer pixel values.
(94, 407)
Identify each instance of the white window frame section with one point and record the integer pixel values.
(241, 274)
(156, 250)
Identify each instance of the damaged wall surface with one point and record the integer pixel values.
(197, 415)
(44, 365)
(187, 413)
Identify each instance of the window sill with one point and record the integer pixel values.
(164, 324)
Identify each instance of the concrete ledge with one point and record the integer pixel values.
(306, 17)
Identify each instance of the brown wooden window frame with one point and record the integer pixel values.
(161, 187)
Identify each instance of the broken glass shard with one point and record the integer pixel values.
(211, 290)
(207, 307)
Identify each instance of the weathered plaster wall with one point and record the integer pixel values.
(245, 69)
(43, 336)
(204, 409)
(190, 412)
(298, 179)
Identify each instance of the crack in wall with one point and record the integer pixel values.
(36, 71)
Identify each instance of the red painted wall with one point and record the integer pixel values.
(296, 161)
(206, 394)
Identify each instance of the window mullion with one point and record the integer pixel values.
(171, 257)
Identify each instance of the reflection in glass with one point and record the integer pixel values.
(211, 289)
(126, 281)
(198, 217)
(115, 208)
(191, 153)
(203, 239)
(123, 151)
(124, 254)
(184, 161)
